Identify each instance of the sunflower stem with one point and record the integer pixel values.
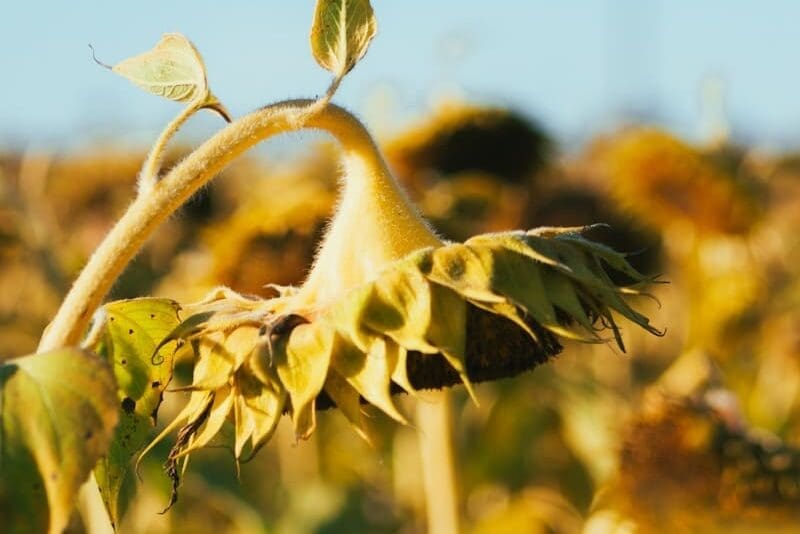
(435, 435)
(148, 176)
(92, 510)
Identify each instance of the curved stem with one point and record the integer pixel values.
(148, 211)
(149, 173)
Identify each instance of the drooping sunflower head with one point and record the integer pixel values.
(493, 306)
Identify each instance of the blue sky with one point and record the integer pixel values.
(578, 66)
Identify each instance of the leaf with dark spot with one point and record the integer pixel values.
(128, 405)
(130, 342)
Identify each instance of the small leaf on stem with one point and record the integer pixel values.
(341, 33)
(174, 70)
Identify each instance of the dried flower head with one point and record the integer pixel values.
(423, 322)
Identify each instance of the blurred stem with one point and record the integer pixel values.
(93, 512)
(298, 464)
(42, 231)
(434, 422)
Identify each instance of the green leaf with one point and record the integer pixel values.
(400, 307)
(522, 282)
(142, 364)
(173, 69)
(564, 297)
(466, 269)
(341, 33)
(59, 410)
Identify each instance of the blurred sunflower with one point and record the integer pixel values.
(471, 168)
(667, 182)
(692, 464)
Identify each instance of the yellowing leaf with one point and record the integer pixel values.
(447, 330)
(400, 373)
(59, 410)
(220, 355)
(369, 373)
(348, 316)
(222, 403)
(196, 408)
(302, 367)
(142, 363)
(348, 400)
(341, 33)
(174, 70)
(259, 407)
(465, 269)
(400, 307)
(244, 423)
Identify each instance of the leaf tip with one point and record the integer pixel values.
(94, 58)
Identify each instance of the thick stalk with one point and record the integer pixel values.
(149, 210)
(434, 422)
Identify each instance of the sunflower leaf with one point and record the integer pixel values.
(302, 366)
(59, 410)
(172, 69)
(340, 33)
(142, 363)
(369, 373)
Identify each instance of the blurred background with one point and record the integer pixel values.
(676, 123)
